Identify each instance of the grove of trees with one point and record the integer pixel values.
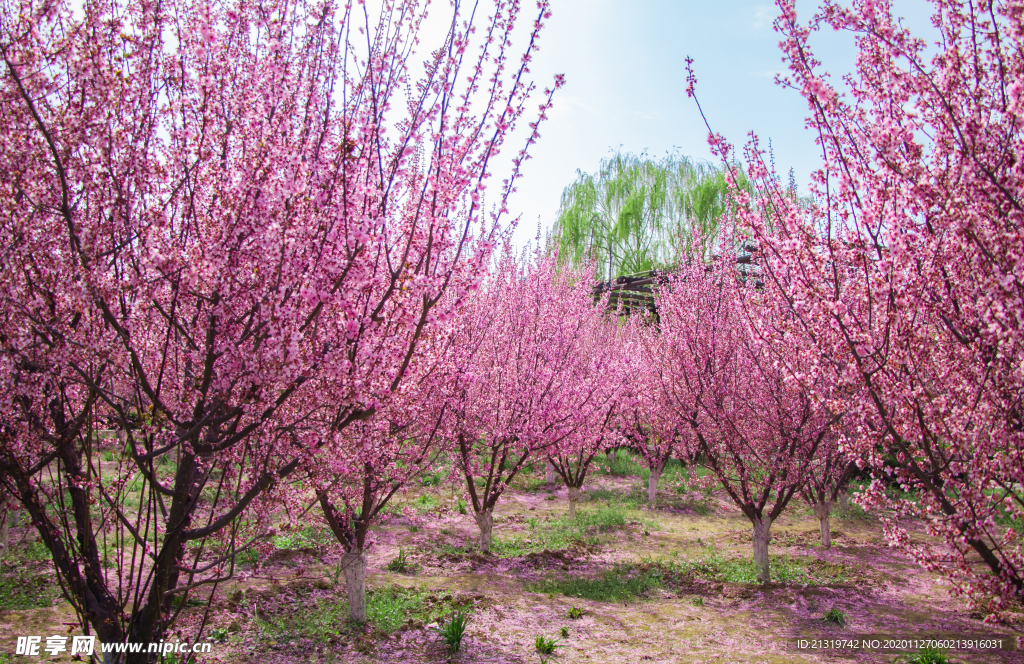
(251, 239)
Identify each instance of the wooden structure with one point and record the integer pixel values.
(631, 293)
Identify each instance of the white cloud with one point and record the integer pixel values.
(764, 16)
(648, 115)
(568, 106)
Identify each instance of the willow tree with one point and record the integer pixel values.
(637, 213)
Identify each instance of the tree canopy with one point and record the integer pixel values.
(637, 213)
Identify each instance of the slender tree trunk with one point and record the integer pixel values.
(485, 520)
(574, 497)
(5, 523)
(761, 536)
(354, 564)
(549, 472)
(844, 503)
(823, 510)
(652, 487)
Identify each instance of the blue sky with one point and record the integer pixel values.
(626, 87)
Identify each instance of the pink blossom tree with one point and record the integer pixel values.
(524, 381)
(357, 474)
(227, 226)
(904, 280)
(597, 369)
(643, 416)
(756, 431)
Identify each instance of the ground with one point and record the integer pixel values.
(671, 584)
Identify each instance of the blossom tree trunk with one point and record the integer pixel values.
(350, 529)
(761, 538)
(827, 482)
(575, 454)
(5, 523)
(574, 500)
(485, 522)
(652, 485)
(354, 565)
(823, 512)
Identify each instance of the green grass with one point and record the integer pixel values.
(324, 618)
(453, 630)
(425, 503)
(603, 519)
(713, 566)
(622, 583)
(110, 556)
(433, 479)
(530, 483)
(627, 582)
(401, 564)
(548, 535)
(166, 465)
(556, 533)
(835, 617)
(625, 464)
(441, 548)
(390, 608)
(306, 537)
(675, 479)
(631, 501)
(248, 557)
(701, 507)
(20, 590)
(34, 551)
(30, 584)
(545, 645)
(856, 512)
(601, 495)
(925, 655)
(517, 545)
(192, 601)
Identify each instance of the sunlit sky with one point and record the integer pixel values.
(626, 87)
